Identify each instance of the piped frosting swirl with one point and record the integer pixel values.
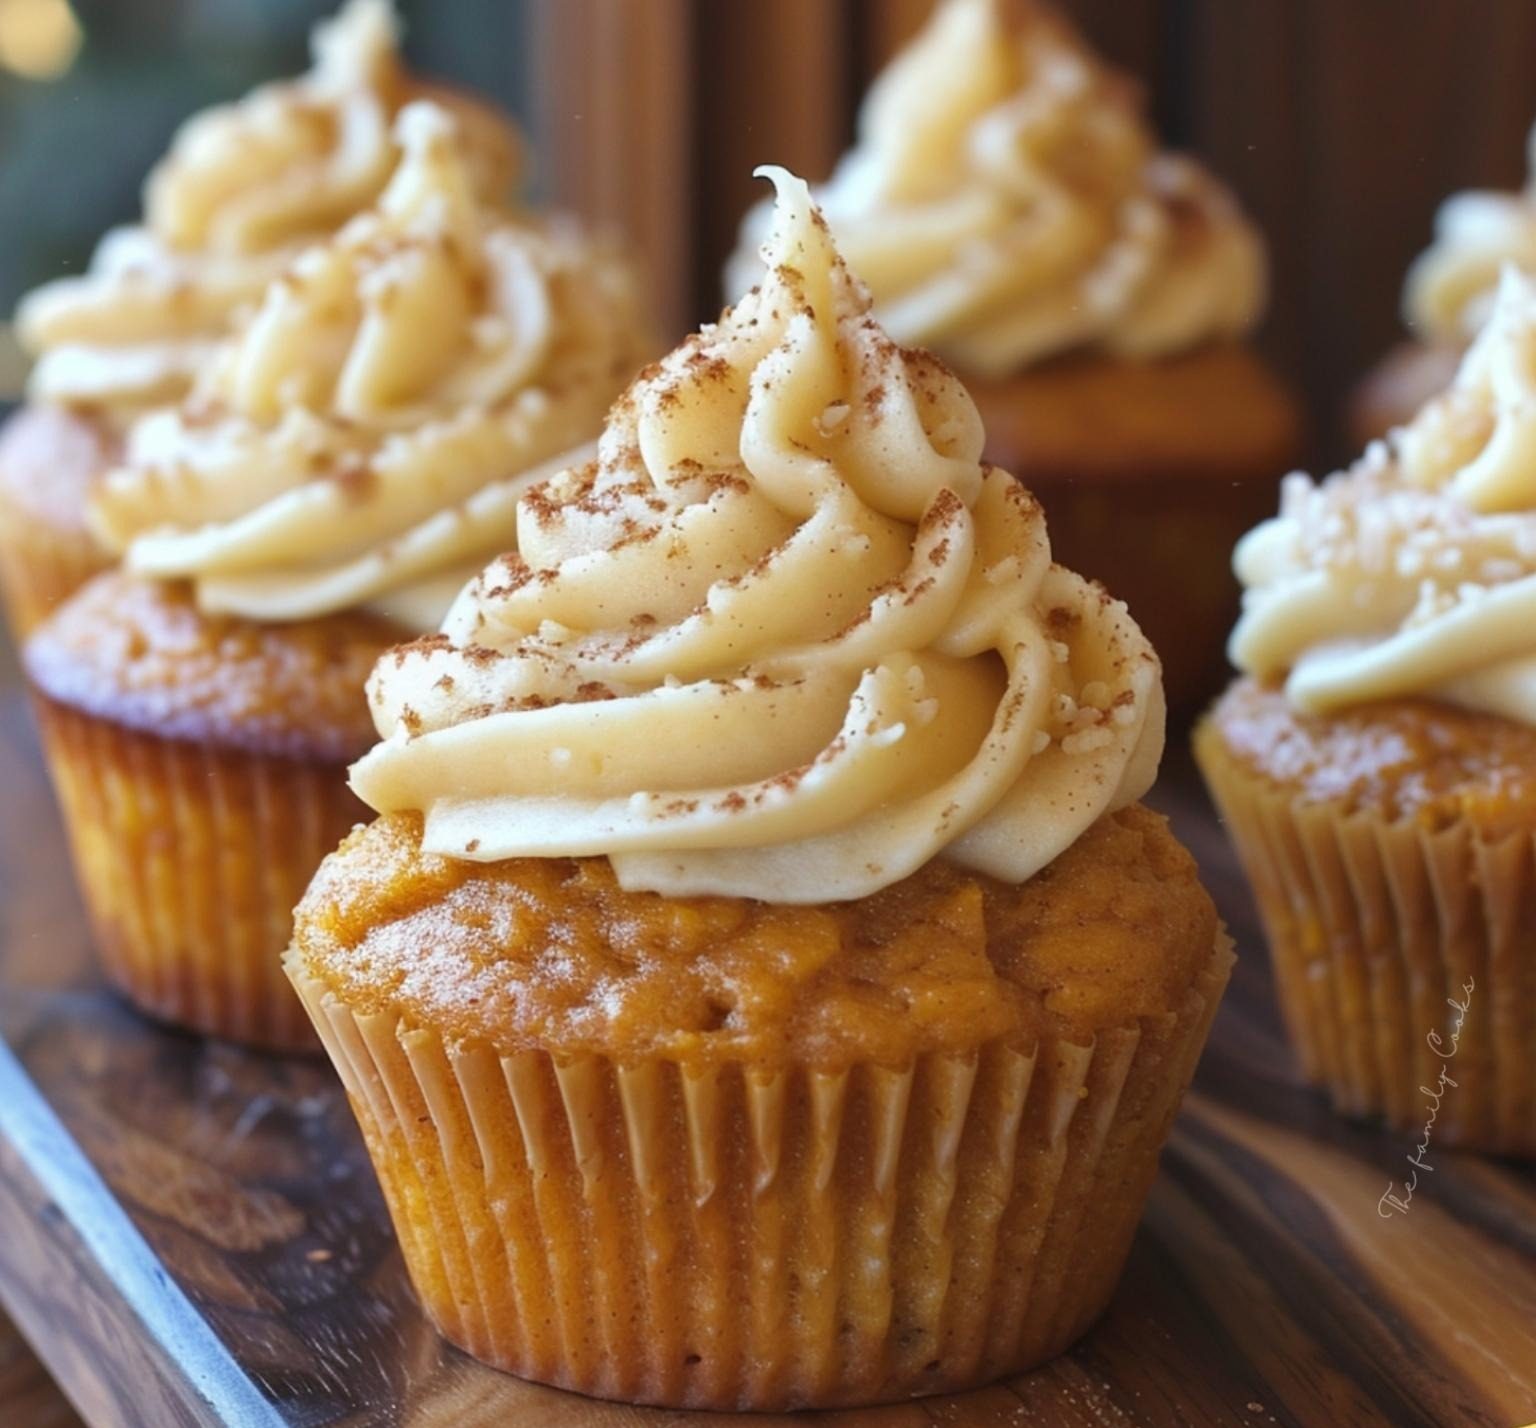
(1451, 285)
(1006, 203)
(1413, 574)
(244, 187)
(362, 438)
(786, 637)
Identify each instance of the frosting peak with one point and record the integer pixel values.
(369, 424)
(786, 637)
(1451, 286)
(1413, 574)
(431, 301)
(244, 187)
(1005, 202)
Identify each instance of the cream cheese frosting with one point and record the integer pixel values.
(1451, 285)
(362, 438)
(244, 187)
(1413, 574)
(787, 637)
(1006, 203)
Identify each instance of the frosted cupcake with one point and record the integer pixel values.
(1447, 298)
(1009, 208)
(1377, 762)
(244, 188)
(351, 456)
(762, 987)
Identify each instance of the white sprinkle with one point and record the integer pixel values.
(834, 416)
(1085, 741)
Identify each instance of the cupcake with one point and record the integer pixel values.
(351, 456)
(1446, 300)
(243, 190)
(762, 987)
(1009, 208)
(1376, 763)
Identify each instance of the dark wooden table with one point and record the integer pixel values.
(192, 1235)
(28, 1397)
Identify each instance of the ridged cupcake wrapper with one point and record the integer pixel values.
(739, 1237)
(40, 570)
(190, 860)
(1375, 927)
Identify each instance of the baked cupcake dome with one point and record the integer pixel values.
(51, 459)
(1008, 206)
(1373, 763)
(350, 454)
(244, 189)
(762, 988)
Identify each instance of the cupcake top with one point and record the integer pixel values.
(243, 188)
(1413, 574)
(786, 638)
(361, 438)
(1451, 285)
(1006, 203)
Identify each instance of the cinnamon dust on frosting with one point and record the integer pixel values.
(1006, 203)
(787, 637)
(362, 438)
(1413, 574)
(244, 187)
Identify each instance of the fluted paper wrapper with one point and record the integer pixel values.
(40, 568)
(190, 860)
(1377, 927)
(751, 1237)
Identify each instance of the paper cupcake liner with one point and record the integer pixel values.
(190, 860)
(1375, 927)
(40, 568)
(748, 1237)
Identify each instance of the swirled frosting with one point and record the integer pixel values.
(1414, 572)
(243, 188)
(1006, 203)
(363, 437)
(785, 638)
(1451, 285)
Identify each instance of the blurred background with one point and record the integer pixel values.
(1341, 123)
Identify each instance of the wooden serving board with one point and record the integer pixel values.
(192, 1235)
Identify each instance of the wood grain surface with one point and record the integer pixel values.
(29, 1398)
(192, 1235)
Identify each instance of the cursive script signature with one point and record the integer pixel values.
(1398, 1199)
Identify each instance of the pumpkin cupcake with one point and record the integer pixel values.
(1008, 206)
(762, 987)
(1446, 300)
(350, 458)
(1377, 762)
(243, 190)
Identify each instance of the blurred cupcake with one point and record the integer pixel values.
(351, 456)
(244, 188)
(1446, 300)
(762, 987)
(1009, 208)
(1377, 763)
